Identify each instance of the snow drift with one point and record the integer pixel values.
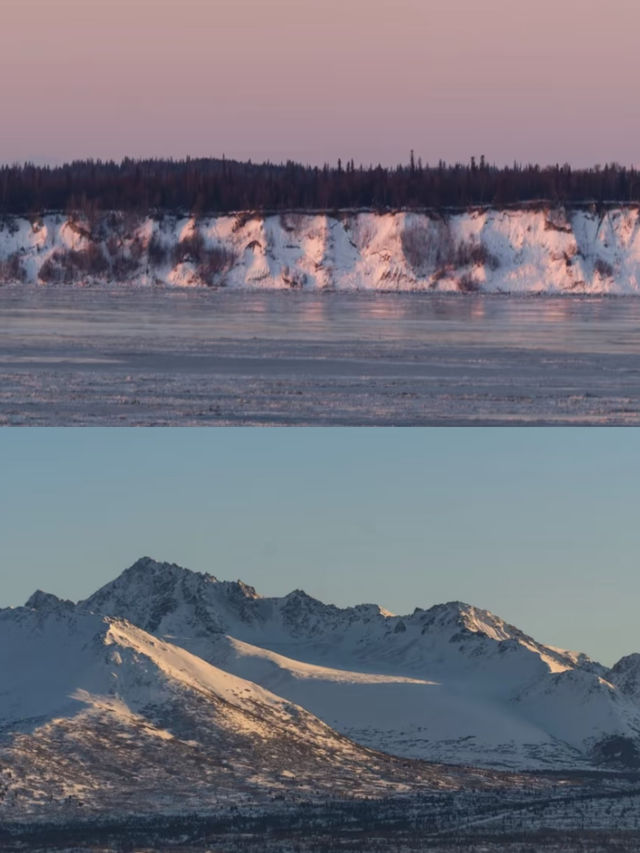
(528, 250)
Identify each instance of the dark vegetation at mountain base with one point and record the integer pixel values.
(521, 821)
(209, 185)
(362, 827)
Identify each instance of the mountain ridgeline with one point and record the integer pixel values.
(452, 683)
(170, 693)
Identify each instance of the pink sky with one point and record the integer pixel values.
(312, 80)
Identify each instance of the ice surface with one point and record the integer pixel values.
(166, 357)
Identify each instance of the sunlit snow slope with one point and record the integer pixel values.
(534, 249)
(97, 715)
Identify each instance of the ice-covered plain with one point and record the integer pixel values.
(182, 356)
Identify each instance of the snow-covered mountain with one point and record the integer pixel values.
(98, 716)
(532, 249)
(452, 683)
(170, 600)
(625, 674)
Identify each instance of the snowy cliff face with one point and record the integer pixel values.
(452, 683)
(549, 250)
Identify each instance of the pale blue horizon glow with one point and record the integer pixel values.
(537, 525)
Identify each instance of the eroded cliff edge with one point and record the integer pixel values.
(534, 249)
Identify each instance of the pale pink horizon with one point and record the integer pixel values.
(314, 80)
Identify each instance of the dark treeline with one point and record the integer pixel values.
(217, 185)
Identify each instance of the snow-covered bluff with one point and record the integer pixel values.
(528, 250)
(452, 683)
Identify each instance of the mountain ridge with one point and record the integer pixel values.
(451, 683)
(467, 617)
(98, 716)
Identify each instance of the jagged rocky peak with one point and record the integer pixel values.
(299, 595)
(300, 598)
(247, 589)
(627, 663)
(460, 616)
(446, 613)
(158, 576)
(298, 601)
(475, 626)
(149, 568)
(150, 578)
(47, 601)
(238, 590)
(168, 598)
(369, 611)
(481, 621)
(467, 619)
(625, 674)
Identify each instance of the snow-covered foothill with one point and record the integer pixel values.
(98, 716)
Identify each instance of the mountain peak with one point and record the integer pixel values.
(473, 619)
(41, 600)
(300, 601)
(169, 598)
(625, 674)
(149, 566)
(455, 606)
(300, 593)
(242, 588)
(627, 662)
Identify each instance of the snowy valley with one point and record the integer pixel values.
(527, 249)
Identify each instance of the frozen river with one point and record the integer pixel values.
(201, 357)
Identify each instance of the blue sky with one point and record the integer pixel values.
(538, 525)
